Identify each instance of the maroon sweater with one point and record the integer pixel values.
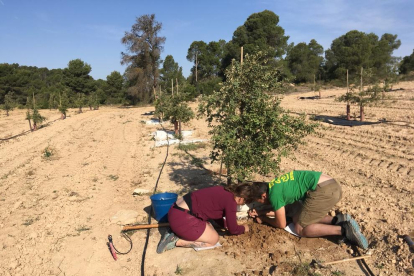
(216, 203)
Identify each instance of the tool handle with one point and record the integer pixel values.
(347, 260)
(144, 226)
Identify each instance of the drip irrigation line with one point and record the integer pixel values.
(149, 217)
(364, 263)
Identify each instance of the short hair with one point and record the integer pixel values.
(257, 189)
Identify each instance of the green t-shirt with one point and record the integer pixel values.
(292, 187)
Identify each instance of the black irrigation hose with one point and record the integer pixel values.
(149, 217)
(130, 242)
(364, 263)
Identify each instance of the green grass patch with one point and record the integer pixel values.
(190, 147)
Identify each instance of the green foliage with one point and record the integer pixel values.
(173, 108)
(260, 32)
(36, 117)
(178, 270)
(171, 72)
(250, 131)
(357, 49)
(9, 102)
(63, 103)
(207, 59)
(114, 89)
(144, 47)
(305, 61)
(407, 64)
(48, 152)
(191, 147)
(372, 94)
(76, 77)
(80, 101)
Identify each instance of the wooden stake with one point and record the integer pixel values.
(241, 55)
(348, 106)
(347, 260)
(172, 86)
(144, 226)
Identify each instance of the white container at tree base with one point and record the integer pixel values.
(186, 133)
(153, 122)
(161, 135)
(242, 208)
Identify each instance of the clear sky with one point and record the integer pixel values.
(50, 33)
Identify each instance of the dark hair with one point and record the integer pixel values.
(240, 190)
(257, 189)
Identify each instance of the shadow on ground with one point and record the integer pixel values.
(342, 122)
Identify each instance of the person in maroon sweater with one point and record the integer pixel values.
(189, 215)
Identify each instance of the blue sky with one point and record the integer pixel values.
(50, 33)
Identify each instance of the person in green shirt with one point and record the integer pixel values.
(317, 193)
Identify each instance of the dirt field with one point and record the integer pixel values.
(55, 211)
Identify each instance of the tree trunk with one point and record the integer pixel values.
(179, 129)
(30, 125)
(34, 126)
(348, 111)
(62, 116)
(361, 113)
(196, 64)
(80, 109)
(176, 128)
(7, 112)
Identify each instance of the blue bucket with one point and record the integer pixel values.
(161, 203)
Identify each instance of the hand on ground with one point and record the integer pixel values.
(258, 220)
(253, 213)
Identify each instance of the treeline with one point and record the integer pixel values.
(147, 76)
(74, 84)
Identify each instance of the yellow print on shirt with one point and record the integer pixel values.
(283, 178)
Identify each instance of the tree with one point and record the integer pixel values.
(407, 64)
(193, 54)
(34, 114)
(250, 130)
(175, 109)
(260, 32)
(8, 103)
(78, 80)
(305, 61)
(144, 48)
(114, 88)
(170, 72)
(363, 97)
(63, 104)
(357, 49)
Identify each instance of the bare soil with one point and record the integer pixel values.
(55, 210)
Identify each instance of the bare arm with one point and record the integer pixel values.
(279, 221)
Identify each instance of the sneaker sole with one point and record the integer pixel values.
(361, 240)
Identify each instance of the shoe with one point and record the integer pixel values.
(353, 233)
(341, 218)
(167, 242)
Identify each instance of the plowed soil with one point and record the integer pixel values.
(55, 210)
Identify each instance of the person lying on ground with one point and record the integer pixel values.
(318, 193)
(189, 215)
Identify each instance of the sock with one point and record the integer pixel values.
(342, 231)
